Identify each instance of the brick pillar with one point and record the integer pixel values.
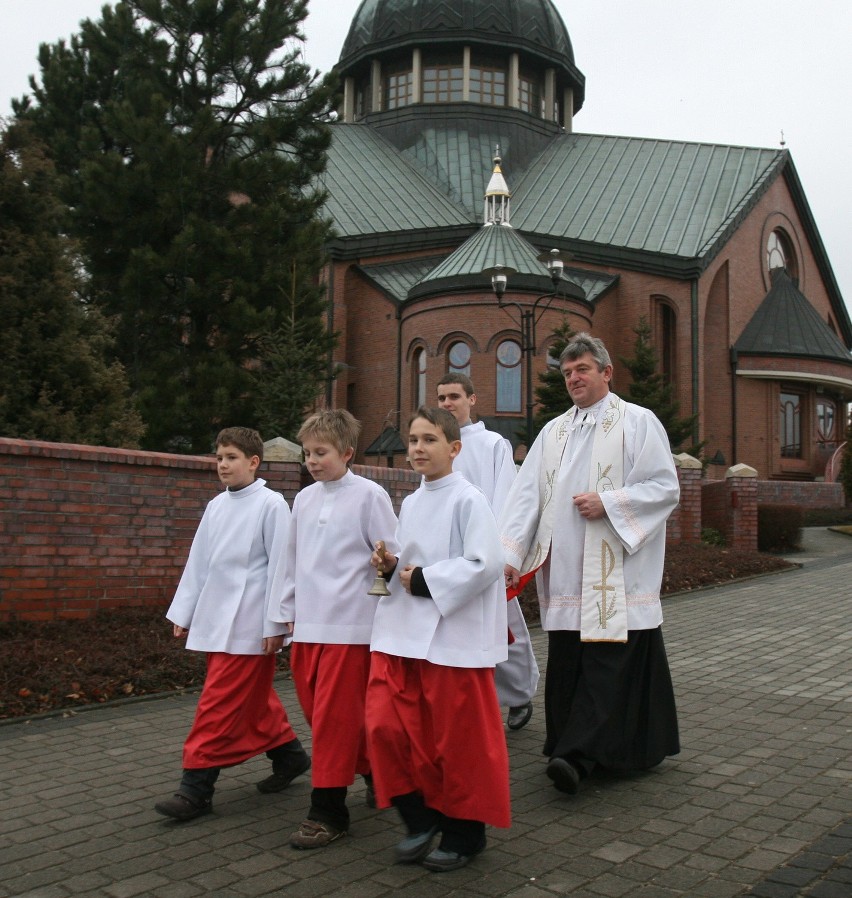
(685, 522)
(741, 507)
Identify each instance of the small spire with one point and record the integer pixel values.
(783, 142)
(497, 195)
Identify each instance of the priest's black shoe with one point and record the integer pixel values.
(565, 776)
(443, 861)
(519, 717)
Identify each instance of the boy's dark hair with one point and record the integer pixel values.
(456, 377)
(243, 438)
(334, 425)
(441, 419)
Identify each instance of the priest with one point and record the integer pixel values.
(586, 516)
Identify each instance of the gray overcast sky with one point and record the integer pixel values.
(734, 71)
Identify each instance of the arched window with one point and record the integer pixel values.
(508, 377)
(791, 425)
(458, 358)
(418, 372)
(825, 421)
(668, 341)
(779, 253)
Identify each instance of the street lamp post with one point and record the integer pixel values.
(529, 316)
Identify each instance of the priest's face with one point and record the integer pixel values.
(586, 383)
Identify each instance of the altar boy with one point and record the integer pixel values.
(322, 596)
(433, 721)
(221, 608)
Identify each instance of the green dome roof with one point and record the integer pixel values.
(531, 26)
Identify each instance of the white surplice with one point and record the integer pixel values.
(222, 597)
(486, 461)
(636, 513)
(327, 574)
(447, 528)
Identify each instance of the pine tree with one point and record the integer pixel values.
(56, 380)
(552, 397)
(189, 134)
(649, 388)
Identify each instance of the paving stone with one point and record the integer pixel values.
(761, 791)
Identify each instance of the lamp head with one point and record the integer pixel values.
(555, 264)
(499, 279)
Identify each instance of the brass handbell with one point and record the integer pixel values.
(380, 586)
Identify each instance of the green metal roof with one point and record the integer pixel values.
(491, 245)
(656, 196)
(453, 145)
(786, 324)
(373, 189)
(593, 283)
(667, 198)
(397, 278)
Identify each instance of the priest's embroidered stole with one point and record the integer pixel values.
(603, 616)
(603, 613)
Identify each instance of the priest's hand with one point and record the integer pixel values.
(590, 506)
(179, 631)
(272, 644)
(513, 576)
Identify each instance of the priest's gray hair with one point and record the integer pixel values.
(582, 343)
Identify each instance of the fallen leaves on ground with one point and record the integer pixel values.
(50, 666)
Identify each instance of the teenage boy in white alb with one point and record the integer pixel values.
(433, 721)
(221, 608)
(486, 461)
(323, 597)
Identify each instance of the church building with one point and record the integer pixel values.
(471, 219)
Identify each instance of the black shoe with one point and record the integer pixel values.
(182, 807)
(415, 847)
(564, 774)
(519, 717)
(442, 861)
(277, 782)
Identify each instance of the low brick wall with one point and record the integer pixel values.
(84, 528)
(805, 495)
(399, 482)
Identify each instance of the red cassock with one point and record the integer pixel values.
(239, 714)
(437, 730)
(331, 682)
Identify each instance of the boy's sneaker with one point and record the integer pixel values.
(277, 782)
(313, 834)
(182, 807)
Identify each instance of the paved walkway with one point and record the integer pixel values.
(759, 802)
